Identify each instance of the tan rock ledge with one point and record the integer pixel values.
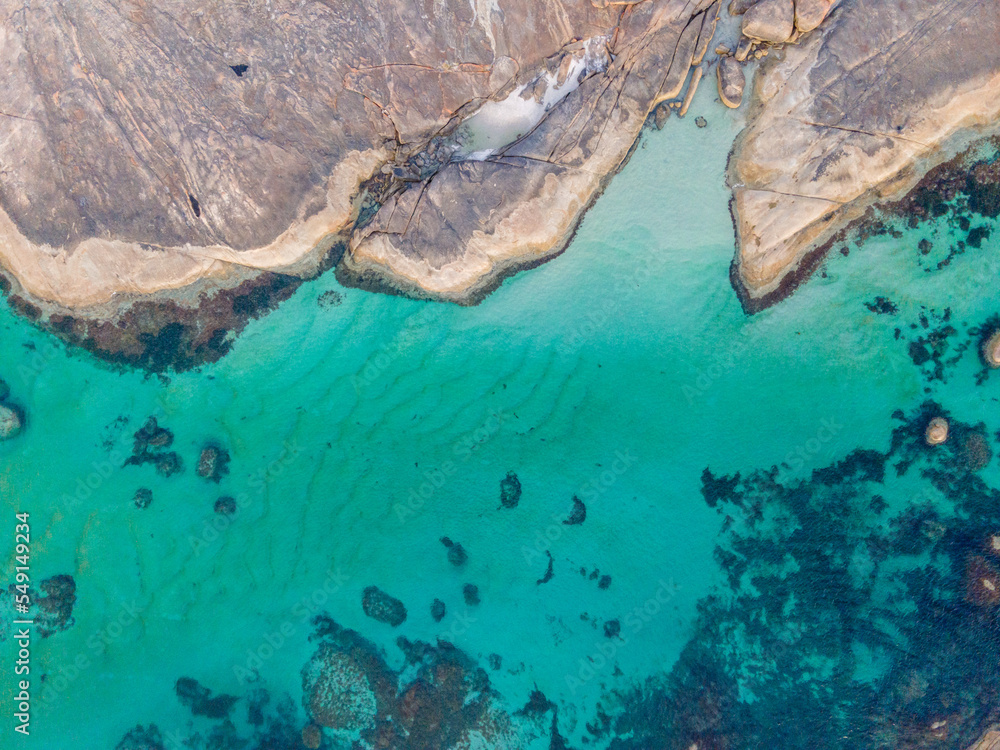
(838, 125)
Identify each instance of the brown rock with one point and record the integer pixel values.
(991, 350)
(810, 13)
(937, 431)
(739, 7)
(770, 21)
(731, 82)
(661, 115)
(743, 49)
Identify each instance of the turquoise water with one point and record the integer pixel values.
(362, 433)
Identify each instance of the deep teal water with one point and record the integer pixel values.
(361, 433)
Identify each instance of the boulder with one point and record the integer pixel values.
(731, 82)
(661, 115)
(739, 7)
(378, 605)
(743, 49)
(991, 350)
(937, 431)
(770, 21)
(810, 13)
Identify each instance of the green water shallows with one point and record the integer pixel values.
(362, 433)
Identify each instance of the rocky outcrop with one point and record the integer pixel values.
(230, 153)
(840, 124)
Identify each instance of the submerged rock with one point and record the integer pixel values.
(200, 701)
(471, 594)
(937, 431)
(510, 490)
(143, 497)
(213, 463)
(731, 82)
(438, 610)
(770, 21)
(457, 555)
(579, 513)
(225, 506)
(380, 606)
(55, 606)
(312, 736)
(10, 422)
(142, 738)
(338, 692)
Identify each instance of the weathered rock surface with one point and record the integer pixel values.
(212, 156)
(770, 21)
(731, 82)
(809, 14)
(853, 115)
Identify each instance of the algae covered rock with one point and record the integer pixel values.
(510, 490)
(380, 606)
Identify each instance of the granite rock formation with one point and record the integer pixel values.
(855, 114)
(231, 151)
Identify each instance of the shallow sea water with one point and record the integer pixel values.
(361, 433)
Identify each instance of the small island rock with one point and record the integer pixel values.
(937, 431)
